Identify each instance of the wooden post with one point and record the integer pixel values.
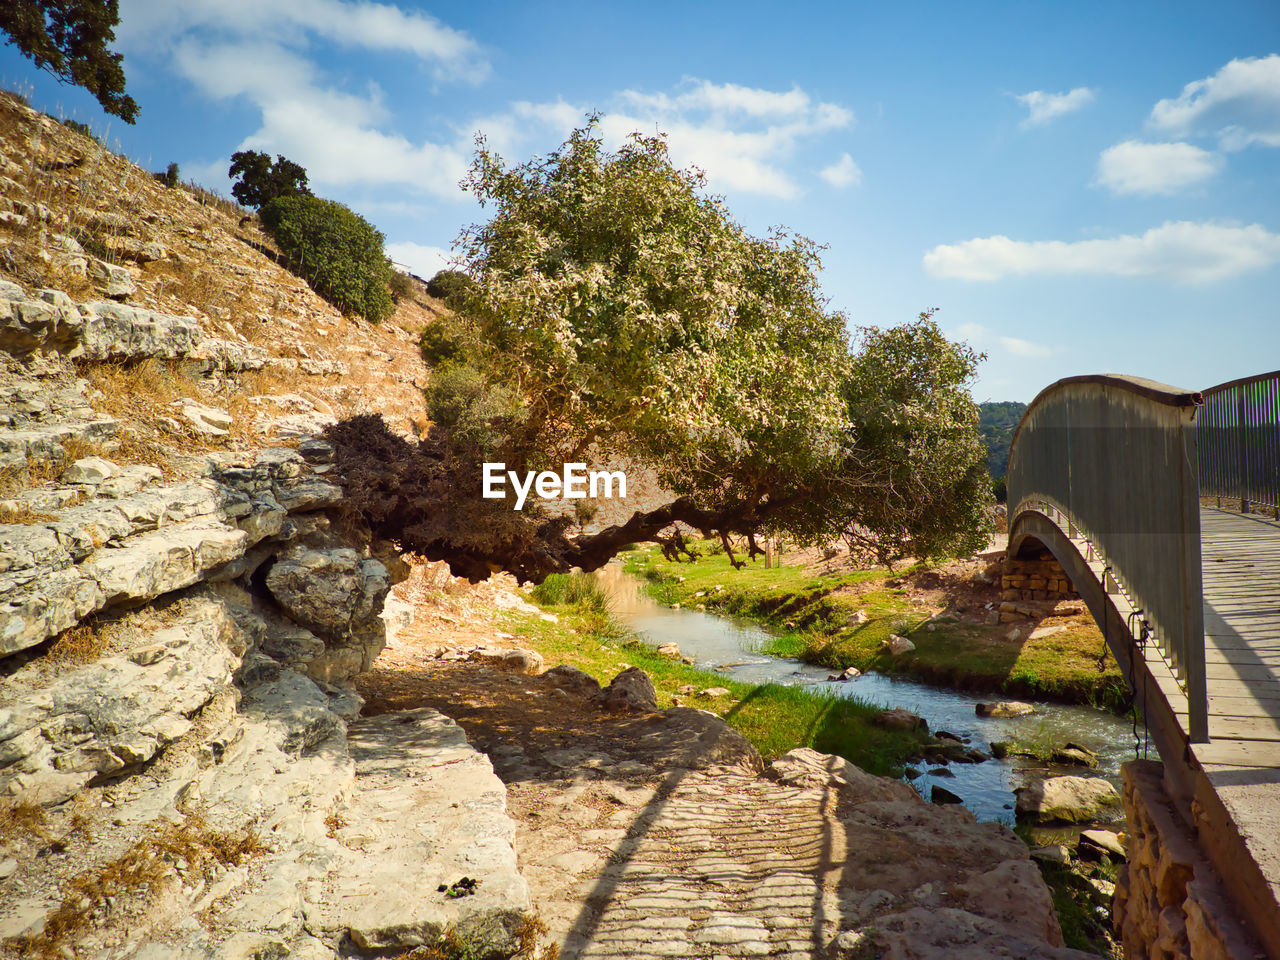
(768, 554)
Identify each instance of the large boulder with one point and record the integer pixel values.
(1067, 800)
(335, 594)
(630, 690)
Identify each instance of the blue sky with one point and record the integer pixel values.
(1083, 187)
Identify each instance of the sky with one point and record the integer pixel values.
(1083, 187)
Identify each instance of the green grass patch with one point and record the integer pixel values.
(774, 717)
(817, 621)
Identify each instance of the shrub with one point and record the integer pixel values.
(170, 178)
(78, 127)
(469, 408)
(401, 286)
(450, 286)
(335, 250)
(445, 343)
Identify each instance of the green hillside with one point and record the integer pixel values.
(997, 421)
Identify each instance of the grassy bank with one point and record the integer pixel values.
(818, 619)
(775, 718)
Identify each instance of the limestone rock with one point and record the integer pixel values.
(897, 645)
(570, 678)
(804, 767)
(527, 662)
(388, 888)
(668, 650)
(1067, 799)
(90, 470)
(630, 690)
(688, 739)
(1104, 840)
(115, 713)
(115, 281)
(1003, 709)
(332, 592)
(899, 718)
(209, 421)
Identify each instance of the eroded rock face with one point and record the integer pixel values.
(332, 592)
(117, 713)
(805, 767)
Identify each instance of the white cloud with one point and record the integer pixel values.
(843, 173)
(146, 24)
(1024, 348)
(1240, 104)
(1181, 252)
(741, 137)
(1043, 107)
(425, 261)
(971, 331)
(1155, 168)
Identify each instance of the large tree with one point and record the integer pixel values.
(69, 39)
(618, 310)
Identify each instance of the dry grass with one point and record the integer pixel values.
(22, 514)
(21, 820)
(83, 643)
(141, 870)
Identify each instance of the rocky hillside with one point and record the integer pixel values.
(182, 609)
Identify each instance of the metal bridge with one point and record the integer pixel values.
(1163, 507)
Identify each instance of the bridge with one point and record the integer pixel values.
(1163, 507)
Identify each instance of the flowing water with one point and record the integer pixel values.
(731, 648)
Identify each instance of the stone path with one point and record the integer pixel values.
(654, 835)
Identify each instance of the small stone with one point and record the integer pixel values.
(1069, 799)
(1003, 709)
(1054, 853)
(941, 795)
(898, 645)
(716, 692)
(571, 679)
(850, 673)
(90, 471)
(8, 868)
(209, 421)
(668, 650)
(899, 719)
(1104, 840)
(527, 662)
(859, 617)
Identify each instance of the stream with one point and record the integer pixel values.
(732, 649)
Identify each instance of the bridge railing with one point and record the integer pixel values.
(1239, 443)
(1117, 457)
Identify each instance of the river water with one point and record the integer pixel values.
(731, 648)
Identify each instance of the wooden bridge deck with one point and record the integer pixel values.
(1241, 569)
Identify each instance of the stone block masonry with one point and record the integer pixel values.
(1169, 904)
(1026, 585)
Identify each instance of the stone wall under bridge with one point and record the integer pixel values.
(1169, 904)
(1031, 586)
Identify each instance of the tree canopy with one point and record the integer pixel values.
(259, 180)
(618, 310)
(70, 40)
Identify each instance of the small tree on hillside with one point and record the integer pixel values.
(335, 250)
(69, 39)
(627, 313)
(259, 180)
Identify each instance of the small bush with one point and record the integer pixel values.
(335, 250)
(462, 402)
(445, 343)
(170, 176)
(401, 286)
(78, 127)
(450, 286)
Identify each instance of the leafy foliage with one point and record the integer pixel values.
(69, 39)
(259, 180)
(336, 250)
(401, 286)
(915, 442)
(451, 286)
(627, 313)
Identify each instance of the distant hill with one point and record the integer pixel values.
(997, 421)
